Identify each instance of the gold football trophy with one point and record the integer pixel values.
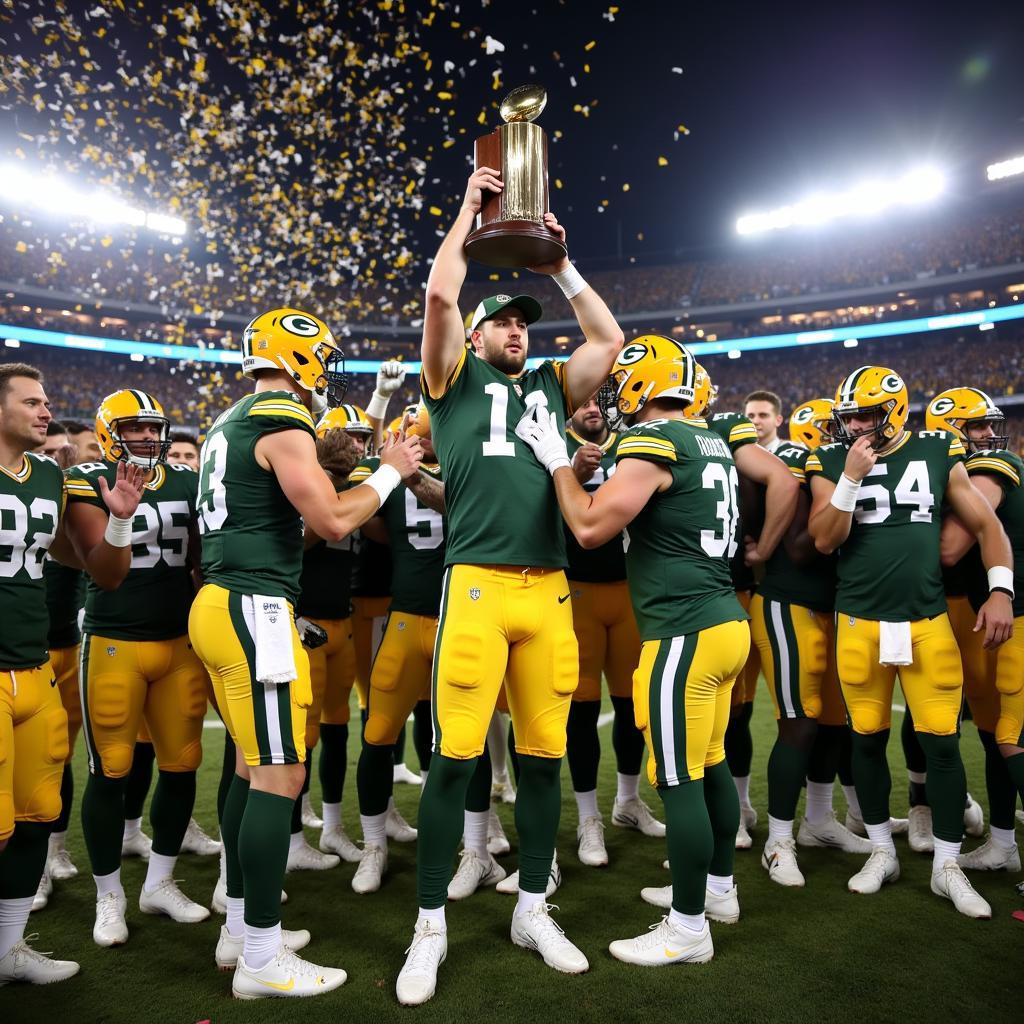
(510, 230)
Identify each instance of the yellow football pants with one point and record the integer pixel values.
(608, 640)
(368, 617)
(332, 671)
(1008, 670)
(746, 682)
(497, 619)
(979, 676)
(64, 661)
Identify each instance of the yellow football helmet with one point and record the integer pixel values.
(811, 423)
(954, 408)
(871, 389)
(396, 424)
(649, 367)
(129, 404)
(706, 393)
(349, 418)
(302, 345)
(420, 427)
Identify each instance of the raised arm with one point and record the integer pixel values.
(781, 495)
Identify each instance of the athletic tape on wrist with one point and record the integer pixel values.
(384, 481)
(570, 281)
(558, 464)
(844, 497)
(1001, 577)
(118, 533)
(377, 405)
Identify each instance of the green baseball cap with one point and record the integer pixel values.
(526, 304)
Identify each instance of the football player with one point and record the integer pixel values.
(609, 644)
(676, 489)
(184, 450)
(876, 496)
(505, 603)
(33, 723)
(136, 662)
(259, 479)
(83, 437)
(56, 438)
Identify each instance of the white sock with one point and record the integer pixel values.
(586, 804)
(109, 883)
(436, 916)
(331, 814)
(295, 842)
(881, 835)
(720, 885)
(57, 841)
(160, 867)
(852, 803)
(474, 833)
(943, 851)
(1003, 837)
(779, 829)
(132, 826)
(919, 777)
(819, 802)
(627, 787)
(236, 916)
(373, 829)
(13, 918)
(497, 746)
(528, 900)
(261, 945)
(742, 788)
(688, 922)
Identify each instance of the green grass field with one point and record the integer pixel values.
(818, 953)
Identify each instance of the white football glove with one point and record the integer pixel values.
(390, 377)
(539, 430)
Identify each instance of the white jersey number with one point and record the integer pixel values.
(15, 551)
(212, 504)
(722, 479)
(914, 489)
(425, 526)
(498, 443)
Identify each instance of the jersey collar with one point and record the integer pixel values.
(22, 474)
(160, 475)
(897, 446)
(604, 446)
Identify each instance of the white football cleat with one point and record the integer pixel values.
(990, 856)
(503, 791)
(218, 904)
(537, 930)
(309, 817)
(397, 828)
(59, 865)
(305, 858)
(748, 816)
(287, 975)
(721, 907)
(636, 814)
(334, 839)
(198, 842)
(417, 979)
(168, 899)
(779, 860)
(590, 834)
(831, 834)
(510, 885)
(473, 872)
(43, 891)
(919, 829)
(663, 944)
(881, 867)
(952, 883)
(137, 844)
(373, 866)
(974, 817)
(110, 928)
(230, 947)
(743, 840)
(402, 775)
(497, 841)
(23, 963)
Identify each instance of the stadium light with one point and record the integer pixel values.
(55, 195)
(1005, 168)
(920, 185)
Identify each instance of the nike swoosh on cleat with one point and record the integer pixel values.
(671, 954)
(280, 986)
(625, 819)
(562, 600)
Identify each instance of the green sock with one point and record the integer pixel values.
(739, 742)
(227, 773)
(787, 769)
(947, 785)
(1015, 766)
(538, 808)
(723, 806)
(478, 795)
(23, 859)
(690, 842)
(230, 824)
(263, 855)
(440, 827)
(140, 778)
(627, 739)
(1002, 793)
(333, 762)
(103, 822)
(827, 753)
(871, 776)
(398, 751)
(67, 795)
(173, 800)
(375, 780)
(582, 744)
(423, 732)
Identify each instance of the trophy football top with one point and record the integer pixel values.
(524, 103)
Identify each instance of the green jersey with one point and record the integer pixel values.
(888, 567)
(65, 598)
(252, 534)
(501, 504)
(325, 586)
(152, 602)
(736, 431)
(813, 585)
(31, 504)
(606, 564)
(1008, 470)
(678, 547)
(417, 546)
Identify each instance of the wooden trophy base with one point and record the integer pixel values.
(513, 243)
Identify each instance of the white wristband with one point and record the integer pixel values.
(1000, 576)
(844, 497)
(118, 533)
(558, 464)
(384, 481)
(377, 406)
(570, 281)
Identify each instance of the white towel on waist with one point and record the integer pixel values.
(894, 646)
(270, 621)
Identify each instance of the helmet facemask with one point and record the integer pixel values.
(881, 433)
(997, 442)
(607, 399)
(152, 453)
